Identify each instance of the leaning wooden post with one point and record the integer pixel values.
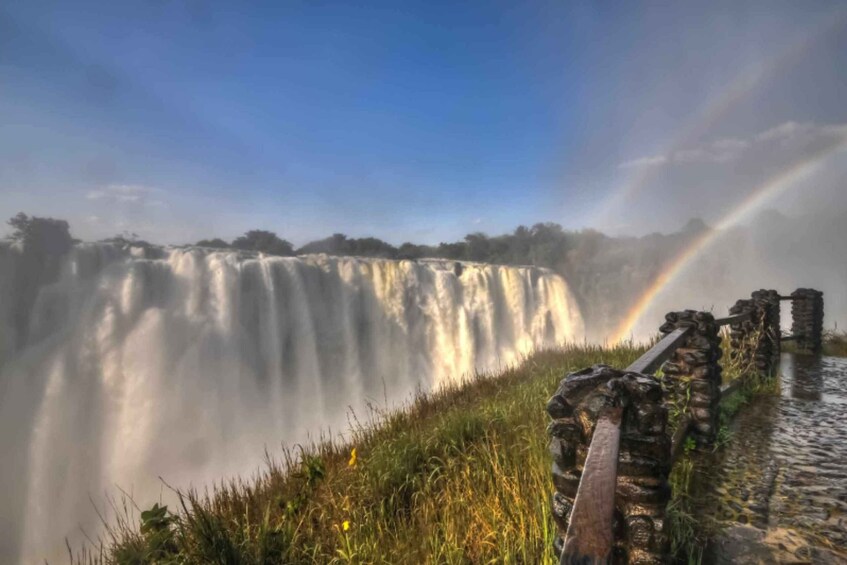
(636, 526)
(693, 371)
(807, 319)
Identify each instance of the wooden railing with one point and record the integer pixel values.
(589, 537)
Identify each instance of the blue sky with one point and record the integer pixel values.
(404, 120)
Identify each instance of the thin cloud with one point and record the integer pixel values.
(644, 162)
(729, 149)
(127, 194)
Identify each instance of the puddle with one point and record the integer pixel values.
(784, 473)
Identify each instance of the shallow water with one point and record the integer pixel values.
(785, 469)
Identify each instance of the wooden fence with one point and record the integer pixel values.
(610, 439)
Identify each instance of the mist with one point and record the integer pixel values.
(448, 188)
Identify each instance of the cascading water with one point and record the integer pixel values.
(132, 364)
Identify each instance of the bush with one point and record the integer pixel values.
(45, 236)
(265, 242)
(215, 243)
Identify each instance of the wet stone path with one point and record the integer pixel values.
(778, 489)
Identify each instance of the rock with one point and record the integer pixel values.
(748, 545)
(740, 544)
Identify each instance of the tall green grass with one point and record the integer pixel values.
(835, 343)
(690, 531)
(462, 475)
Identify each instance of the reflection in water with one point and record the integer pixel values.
(806, 376)
(786, 466)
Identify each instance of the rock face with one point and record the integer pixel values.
(693, 370)
(807, 319)
(642, 490)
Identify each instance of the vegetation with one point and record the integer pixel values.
(689, 529)
(264, 241)
(340, 244)
(42, 236)
(129, 238)
(835, 343)
(462, 475)
(215, 243)
(606, 273)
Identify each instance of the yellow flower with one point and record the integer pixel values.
(352, 462)
(345, 525)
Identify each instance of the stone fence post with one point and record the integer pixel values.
(807, 319)
(768, 302)
(763, 326)
(693, 371)
(642, 490)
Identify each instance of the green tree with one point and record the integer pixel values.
(46, 236)
(478, 246)
(215, 243)
(264, 241)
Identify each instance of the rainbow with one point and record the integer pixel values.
(771, 188)
(744, 83)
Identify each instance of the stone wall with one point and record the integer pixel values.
(693, 374)
(807, 319)
(642, 490)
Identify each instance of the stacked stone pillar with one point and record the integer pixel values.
(742, 334)
(642, 490)
(770, 344)
(758, 338)
(693, 374)
(807, 319)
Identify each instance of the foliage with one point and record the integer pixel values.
(461, 475)
(340, 244)
(835, 343)
(263, 241)
(128, 238)
(45, 236)
(215, 243)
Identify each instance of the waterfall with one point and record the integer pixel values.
(131, 364)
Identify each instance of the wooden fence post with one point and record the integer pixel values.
(807, 319)
(694, 366)
(641, 488)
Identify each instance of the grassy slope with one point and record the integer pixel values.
(462, 475)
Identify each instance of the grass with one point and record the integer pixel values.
(689, 531)
(461, 475)
(835, 343)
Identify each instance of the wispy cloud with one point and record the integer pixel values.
(644, 162)
(129, 194)
(725, 150)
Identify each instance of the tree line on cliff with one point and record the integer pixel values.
(606, 273)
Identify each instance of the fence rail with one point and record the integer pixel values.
(738, 318)
(623, 466)
(649, 362)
